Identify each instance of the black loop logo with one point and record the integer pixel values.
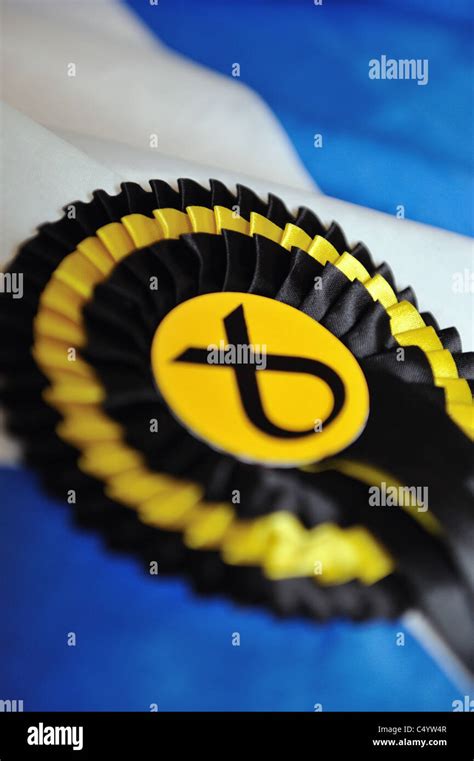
(246, 375)
(301, 398)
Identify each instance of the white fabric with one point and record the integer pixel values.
(128, 87)
(43, 172)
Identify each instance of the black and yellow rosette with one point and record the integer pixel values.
(219, 384)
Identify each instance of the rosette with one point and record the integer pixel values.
(218, 386)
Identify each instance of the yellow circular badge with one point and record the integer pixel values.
(259, 379)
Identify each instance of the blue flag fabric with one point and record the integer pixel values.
(143, 640)
(384, 143)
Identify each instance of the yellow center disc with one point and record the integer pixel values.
(259, 379)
